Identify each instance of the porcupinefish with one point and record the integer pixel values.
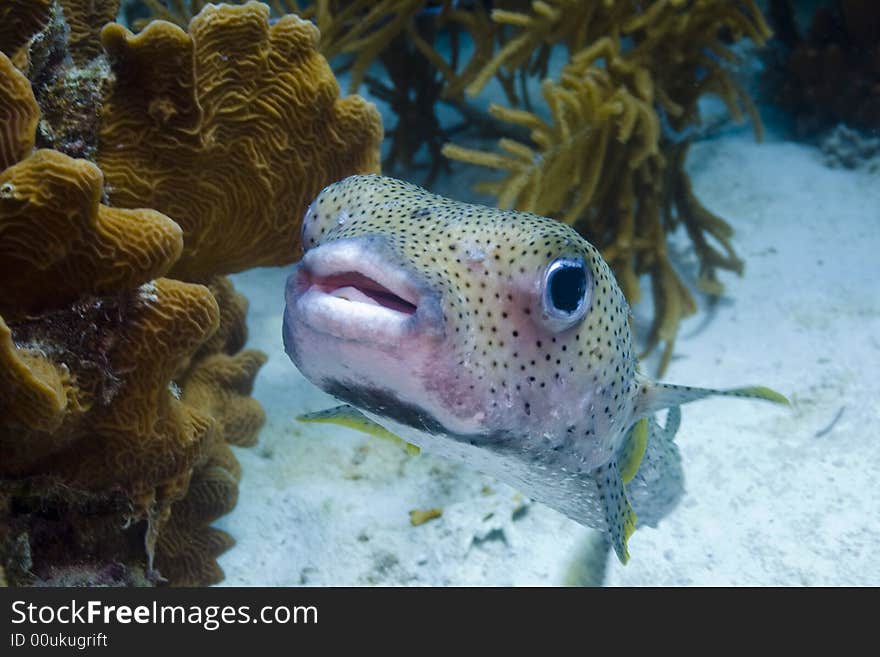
(492, 337)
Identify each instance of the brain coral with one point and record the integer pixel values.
(19, 115)
(92, 343)
(231, 130)
(85, 18)
(120, 390)
(19, 19)
(51, 201)
(219, 384)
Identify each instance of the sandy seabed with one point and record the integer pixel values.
(773, 495)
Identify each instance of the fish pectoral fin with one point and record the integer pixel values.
(349, 416)
(673, 422)
(619, 515)
(655, 396)
(633, 450)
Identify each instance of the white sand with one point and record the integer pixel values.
(767, 502)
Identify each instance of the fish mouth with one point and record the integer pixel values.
(356, 287)
(351, 289)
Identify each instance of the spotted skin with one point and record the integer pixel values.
(480, 371)
(478, 258)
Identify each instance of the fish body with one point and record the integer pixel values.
(492, 337)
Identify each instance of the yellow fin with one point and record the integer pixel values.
(633, 450)
(628, 528)
(655, 396)
(760, 392)
(619, 514)
(349, 416)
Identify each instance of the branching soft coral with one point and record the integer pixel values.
(573, 23)
(610, 157)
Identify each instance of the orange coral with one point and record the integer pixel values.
(170, 465)
(126, 427)
(219, 384)
(231, 130)
(68, 83)
(19, 19)
(86, 404)
(231, 333)
(85, 19)
(91, 422)
(120, 394)
(187, 553)
(220, 381)
(65, 239)
(34, 392)
(120, 437)
(19, 115)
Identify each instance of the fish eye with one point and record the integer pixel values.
(567, 288)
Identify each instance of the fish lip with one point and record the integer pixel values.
(352, 289)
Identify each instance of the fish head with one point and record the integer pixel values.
(461, 319)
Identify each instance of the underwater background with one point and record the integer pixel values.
(724, 156)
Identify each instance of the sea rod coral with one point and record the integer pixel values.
(122, 388)
(608, 154)
(603, 147)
